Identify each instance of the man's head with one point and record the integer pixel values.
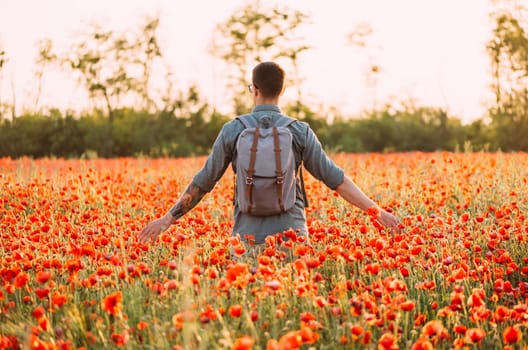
(268, 78)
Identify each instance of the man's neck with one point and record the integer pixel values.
(267, 101)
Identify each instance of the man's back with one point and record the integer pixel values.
(267, 86)
(307, 149)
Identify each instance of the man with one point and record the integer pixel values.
(267, 87)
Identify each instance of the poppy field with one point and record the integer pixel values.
(74, 276)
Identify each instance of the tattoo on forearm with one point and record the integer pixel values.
(192, 195)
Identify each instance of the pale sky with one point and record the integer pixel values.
(430, 50)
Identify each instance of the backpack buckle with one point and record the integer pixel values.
(249, 180)
(280, 180)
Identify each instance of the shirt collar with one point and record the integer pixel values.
(262, 108)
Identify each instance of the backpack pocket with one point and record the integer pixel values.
(265, 197)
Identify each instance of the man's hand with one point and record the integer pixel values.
(192, 195)
(390, 221)
(352, 194)
(155, 228)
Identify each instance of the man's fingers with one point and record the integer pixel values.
(152, 230)
(149, 232)
(396, 227)
(391, 222)
(145, 233)
(144, 239)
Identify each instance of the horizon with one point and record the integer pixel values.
(443, 64)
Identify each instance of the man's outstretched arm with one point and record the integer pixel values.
(353, 194)
(188, 200)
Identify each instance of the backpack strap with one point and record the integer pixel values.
(248, 121)
(301, 176)
(285, 121)
(278, 167)
(251, 169)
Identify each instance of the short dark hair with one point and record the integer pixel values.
(268, 77)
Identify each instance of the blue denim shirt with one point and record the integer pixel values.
(307, 150)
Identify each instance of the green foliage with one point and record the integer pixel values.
(404, 129)
(3, 61)
(256, 34)
(41, 136)
(508, 50)
(191, 128)
(112, 66)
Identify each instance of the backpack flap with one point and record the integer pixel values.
(265, 169)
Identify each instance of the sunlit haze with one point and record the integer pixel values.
(430, 51)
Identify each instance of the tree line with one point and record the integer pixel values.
(116, 68)
(162, 134)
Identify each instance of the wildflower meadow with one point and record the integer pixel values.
(74, 276)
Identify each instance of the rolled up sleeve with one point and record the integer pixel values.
(317, 162)
(218, 160)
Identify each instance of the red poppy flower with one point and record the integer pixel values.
(474, 335)
(243, 343)
(511, 335)
(42, 276)
(112, 303)
(235, 310)
(388, 341)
